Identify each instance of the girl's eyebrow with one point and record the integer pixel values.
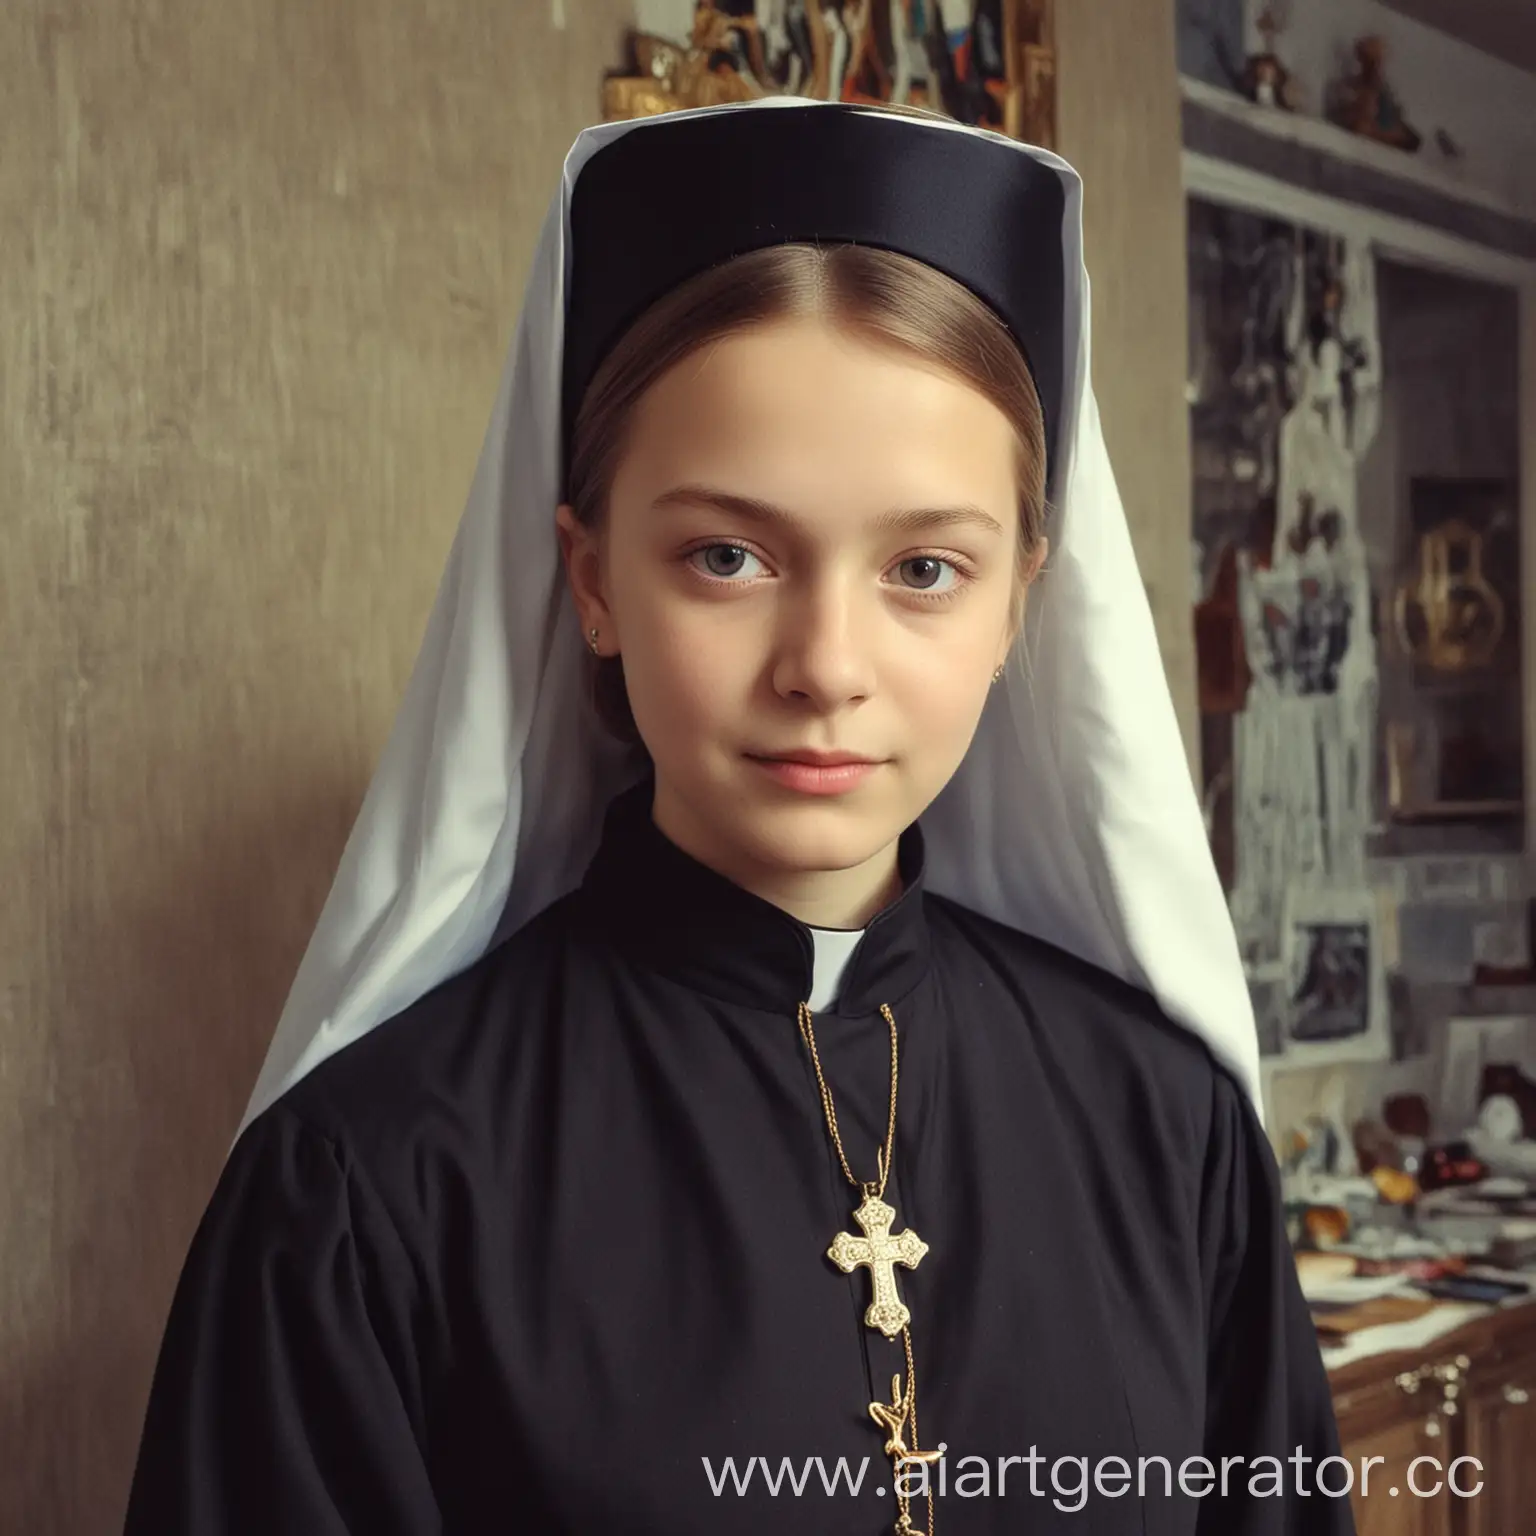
(754, 510)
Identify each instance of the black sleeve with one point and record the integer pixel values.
(284, 1398)
(1268, 1397)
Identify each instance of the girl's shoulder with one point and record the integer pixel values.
(1104, 1032)
(440, 1067)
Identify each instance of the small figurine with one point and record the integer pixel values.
(717, 65)
(1447, 145)
(1368, 106)
(1507, 1102)
(1265, 79)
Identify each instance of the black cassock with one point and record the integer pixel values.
(547, 1252)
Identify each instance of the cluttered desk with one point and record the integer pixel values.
(1417, 1257)
(1399, 1242)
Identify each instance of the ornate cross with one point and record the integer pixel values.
(881, 1252)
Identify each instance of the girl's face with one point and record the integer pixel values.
(810, 548)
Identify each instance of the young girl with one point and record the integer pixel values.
(775, 1055)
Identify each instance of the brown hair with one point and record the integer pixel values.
(877, 295)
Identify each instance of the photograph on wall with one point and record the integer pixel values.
(1335, 993)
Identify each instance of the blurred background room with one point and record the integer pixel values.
(259, 263)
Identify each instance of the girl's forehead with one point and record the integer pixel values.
(792, 484)
(815, 389)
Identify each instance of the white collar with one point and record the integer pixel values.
(834, 949)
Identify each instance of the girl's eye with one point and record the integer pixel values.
(928, 575)
(924, 573)
(722, 561)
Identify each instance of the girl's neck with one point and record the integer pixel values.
(819, 898)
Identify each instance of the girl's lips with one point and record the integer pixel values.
(814, 778)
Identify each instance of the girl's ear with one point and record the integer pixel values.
(581, 554)
(1037, 560)
(1027, 580)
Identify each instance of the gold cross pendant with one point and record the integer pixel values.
(881, 1252)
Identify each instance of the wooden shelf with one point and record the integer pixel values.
(1476, 683)
(1459, 810)
(1225, 136)
(1425, 169)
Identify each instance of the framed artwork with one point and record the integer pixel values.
(1455, 745)
(1457, 608)
(1335, 1005)
(990, 63)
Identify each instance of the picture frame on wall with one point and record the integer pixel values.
(1456, 748)
(1335, 994)
(1457, 608)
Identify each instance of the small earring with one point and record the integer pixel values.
(997, 676)
(592, 640)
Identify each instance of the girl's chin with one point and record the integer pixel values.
(811, 832)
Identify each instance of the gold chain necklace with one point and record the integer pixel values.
(881, 1252)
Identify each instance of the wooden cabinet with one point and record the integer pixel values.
(1501, 1434)
(1456, 1422)
(1377, 1511)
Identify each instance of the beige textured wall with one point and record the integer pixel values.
(1118, 123)
(259, 262)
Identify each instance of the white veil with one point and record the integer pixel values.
(1073, 816)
